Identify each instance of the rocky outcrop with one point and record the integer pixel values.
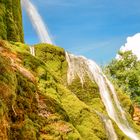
(136, 114)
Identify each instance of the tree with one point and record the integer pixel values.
(125, 71)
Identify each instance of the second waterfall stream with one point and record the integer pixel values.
(81, 66)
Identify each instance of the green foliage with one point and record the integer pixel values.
(81, 116)
(47, 108)
(7, 89)
(31, 114)
(19, 47)
(11, 20)
(86, 92)
(54, 58)
(126, 73)
(60, 130)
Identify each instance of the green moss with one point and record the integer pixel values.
(65, 109)
(88, 92)
(11, 20)
(19, 47)
(47, 108)
(24, 109)
(120, 134)
(22, 132)
(82, 117)
(7, 89)
(54, 58)
(2, 109)
(60, 130)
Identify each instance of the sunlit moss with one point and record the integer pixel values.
(47, 108)
(11, 20)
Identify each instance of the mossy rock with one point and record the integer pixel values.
(54, 58)
(11, 20)
(48, 108)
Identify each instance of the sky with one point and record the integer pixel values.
(93, 28)
(133, 44)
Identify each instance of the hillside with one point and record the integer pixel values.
(37, 103)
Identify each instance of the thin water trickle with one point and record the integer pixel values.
(108, 126)
(32, 50)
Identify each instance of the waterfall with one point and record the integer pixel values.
(32, 50)
(37, 21)
(110, 129)
(79, 66)
(108, 126)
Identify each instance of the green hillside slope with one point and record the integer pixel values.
(37, 103)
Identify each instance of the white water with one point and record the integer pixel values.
(32, 50)
(79, 66)
(37, 21)
(110, 129)
(108, 126)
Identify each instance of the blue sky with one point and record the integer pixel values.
(93, 28)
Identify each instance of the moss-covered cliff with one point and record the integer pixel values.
(36, 103)
(11, 20)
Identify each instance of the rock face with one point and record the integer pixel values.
(11, 20)
(136, 114)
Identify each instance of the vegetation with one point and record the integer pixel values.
(38, 104)
(11, 20)
(35, 101)
(125, 72)
(54, 58)
(41, 107)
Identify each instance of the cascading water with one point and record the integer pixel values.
(37, 22)
(32, 50)
(108, 126)
(79, 66)
(110, 129)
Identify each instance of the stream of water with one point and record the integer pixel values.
(32, 50)
(108, 126)
(79, 66)
(37, 22)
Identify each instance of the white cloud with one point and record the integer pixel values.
(133, 44)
